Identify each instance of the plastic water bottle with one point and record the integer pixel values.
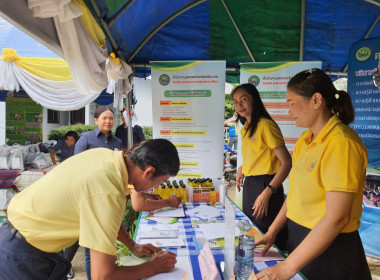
(244, 254)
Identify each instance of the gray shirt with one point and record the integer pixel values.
(97, 139)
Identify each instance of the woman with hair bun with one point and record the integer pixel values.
(324, 204)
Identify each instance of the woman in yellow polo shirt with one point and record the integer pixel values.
(266, 161)
(324, 204)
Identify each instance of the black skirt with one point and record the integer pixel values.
(252, 188)
(344, 259)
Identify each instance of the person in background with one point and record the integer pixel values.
(266, 161)
(87, 205)
(122, 130)
(324, 203)
(233, 136)
(66, 146)
(102, 135)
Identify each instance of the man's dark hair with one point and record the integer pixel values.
(73, 134)
(159, 153)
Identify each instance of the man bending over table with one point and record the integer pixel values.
(84, 198)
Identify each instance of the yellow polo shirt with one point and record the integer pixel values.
(335, 161)
(82, 198)
(258, 155)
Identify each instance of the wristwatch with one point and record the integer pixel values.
(272, 189)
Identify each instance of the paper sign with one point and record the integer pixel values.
(229, 239)
(207, 264)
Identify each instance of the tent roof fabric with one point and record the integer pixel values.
(271, 29)
(150, 30)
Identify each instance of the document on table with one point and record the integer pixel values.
(182, 271)
(162, 220)
(132, 260)
(204, 212)
(215, 230)
(161, 227)
(271, 255)
(151, 234)
(169, 212)
(163, 243)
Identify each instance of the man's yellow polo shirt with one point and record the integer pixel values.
(335, 161)
(257, 151)
(82, 198)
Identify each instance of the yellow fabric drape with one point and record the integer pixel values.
(54, 69)
(115, 60)
(90, 23)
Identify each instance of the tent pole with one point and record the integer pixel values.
(106, 29)
(238, 31)
(128, 105)
(121, 11)
(373, 2)
(302, 35)
(366, 35)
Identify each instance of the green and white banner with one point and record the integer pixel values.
(188, 110)
(270, 79)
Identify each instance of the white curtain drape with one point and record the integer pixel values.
(90, 69)
(86, 60)
(56, 95)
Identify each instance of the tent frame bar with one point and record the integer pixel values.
(238, 31)
(302, 35)
(162, 24)
(112, 41)
(236, 69)
(373, 2)
(121, 11)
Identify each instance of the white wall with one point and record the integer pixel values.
(143, 106)
(64, 120)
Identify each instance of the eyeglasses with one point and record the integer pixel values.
(376, 79)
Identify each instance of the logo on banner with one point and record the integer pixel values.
(363, 54)
(254, 80)
(164, 80)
